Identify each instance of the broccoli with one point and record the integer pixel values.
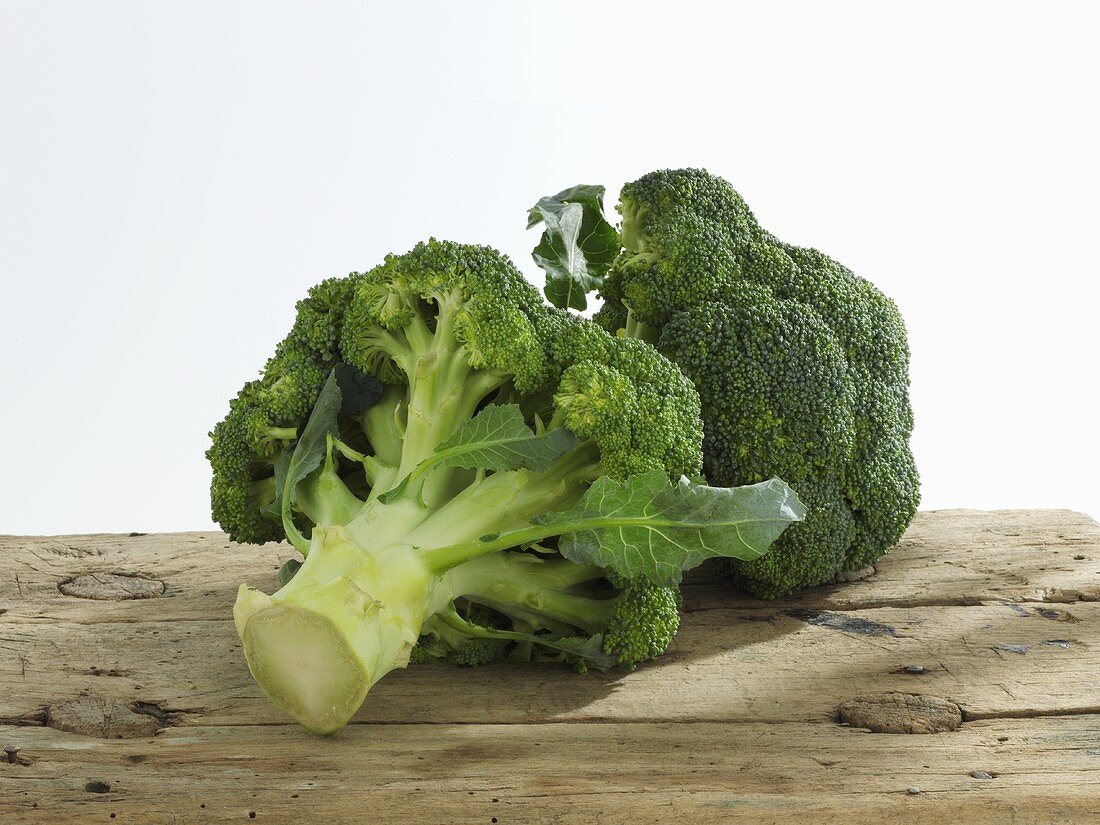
(472, 476)
(801, 366)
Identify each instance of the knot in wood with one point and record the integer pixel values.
(101, 717)
(902, 713)
(112, 587)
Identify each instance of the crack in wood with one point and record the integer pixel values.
(100, 717)
(837, 620)
(970, 715)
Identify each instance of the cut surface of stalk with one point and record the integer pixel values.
(346, 619)
(305, 666)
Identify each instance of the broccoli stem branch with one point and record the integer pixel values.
(324, 497)
(502, 502)
(445, 390)
(282, 433)
(526, 587)
(450, 617)
(638, 329)
(383, 424)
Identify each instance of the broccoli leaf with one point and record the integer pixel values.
(577, 246)
(312, 446)
(646, 527)
(497, 439)
(287, 571)
(358, 391)
(590, 649)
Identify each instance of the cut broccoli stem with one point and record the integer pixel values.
(346, 619)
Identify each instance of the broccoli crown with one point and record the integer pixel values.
(801, 366)
(471, 476)
(264, 416)
(476, 292)
(639, 409)
(687, 237)
(500, 340)
(415, 436)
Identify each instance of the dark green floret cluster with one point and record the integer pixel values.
(471, 476)
(801, 367)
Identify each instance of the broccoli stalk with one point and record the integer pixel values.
(476, 477)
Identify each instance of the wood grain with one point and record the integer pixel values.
(1042, 771)
(993, 612)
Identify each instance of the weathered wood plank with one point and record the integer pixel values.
(1041, 771)
(960, 557)
(947, 557)
(745, 665)
(200, 573)
(998, 611)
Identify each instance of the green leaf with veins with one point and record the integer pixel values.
(647, 527)
(577, 246)
(497, 439)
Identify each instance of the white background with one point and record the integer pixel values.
(174, 176)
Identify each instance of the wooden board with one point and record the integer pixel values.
(997, 612)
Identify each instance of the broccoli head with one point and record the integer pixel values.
(471, 476)
(801, 367)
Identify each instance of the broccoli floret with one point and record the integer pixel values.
(801, 366)
(471, 476)
(644, 621)
(440, 641)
